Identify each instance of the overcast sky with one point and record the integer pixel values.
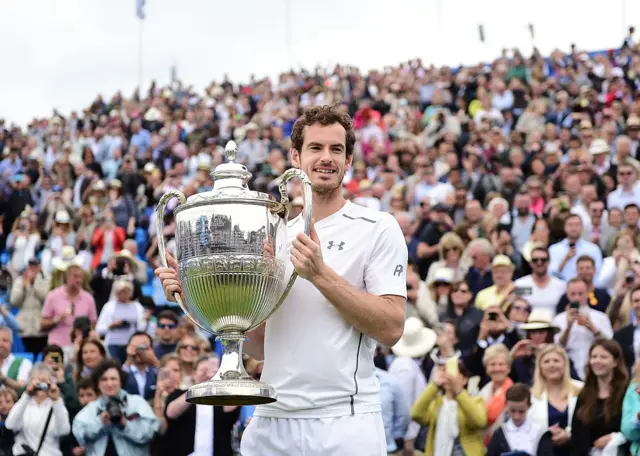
(62, 53)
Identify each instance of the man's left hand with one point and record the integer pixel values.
(306, 255)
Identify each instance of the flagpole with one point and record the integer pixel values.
(140, 31)
(287, 30)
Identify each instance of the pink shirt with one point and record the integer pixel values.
(82, 305)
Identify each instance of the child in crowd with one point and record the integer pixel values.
(8, 398)
(86, 393)
(520, 436)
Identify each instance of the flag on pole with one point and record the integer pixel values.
(140, 4)
(481, 32)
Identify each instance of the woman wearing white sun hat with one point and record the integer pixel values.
(416, 342)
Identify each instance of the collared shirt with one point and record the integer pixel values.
(58, 301)
(395, 409)
(619, 198)
(478, 281)
(559, 250)
(139, 376)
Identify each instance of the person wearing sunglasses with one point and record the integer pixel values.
(166, 333)
(540, 289)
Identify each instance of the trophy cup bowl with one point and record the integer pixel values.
(233, 263)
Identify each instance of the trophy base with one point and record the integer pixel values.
(231, 392)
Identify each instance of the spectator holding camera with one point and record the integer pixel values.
(53, 357)
(119, 319)
(580, 325)
(141, 366)
(117, 423)
(28, 294)
(121, 266)
(39, 418)
(108, 239)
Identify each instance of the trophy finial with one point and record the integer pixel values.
(231, 151)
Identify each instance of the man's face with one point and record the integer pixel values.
(502, 275)
(517, 411)
(480, 258)
(323, 157)
(573, 228)
(586, 270)
(5, 344)
(167, 330)
(473, 211)
(577, 291)
(539, 262)
(626, 176)
(75, 277)
(596, 209)
(86, 395)
(139, 344)
(631, 216)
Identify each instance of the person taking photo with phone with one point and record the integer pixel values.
(141, 366)
(39, 418)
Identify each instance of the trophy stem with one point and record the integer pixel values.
(231, 365)
(231, 385)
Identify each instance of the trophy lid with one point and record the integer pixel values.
(230, 174)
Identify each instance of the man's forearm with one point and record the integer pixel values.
(375, 316)
(564, 337)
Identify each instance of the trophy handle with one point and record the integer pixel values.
(162, 204)
(306, 216)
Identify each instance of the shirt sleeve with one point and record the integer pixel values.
(105, 319)
(48, 310)
(386, 269)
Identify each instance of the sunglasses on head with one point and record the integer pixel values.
(166, 325)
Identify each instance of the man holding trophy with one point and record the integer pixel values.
(318, 345)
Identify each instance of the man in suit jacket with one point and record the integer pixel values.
(141, 366)
(629, 336)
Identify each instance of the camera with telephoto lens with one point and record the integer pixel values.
(114, 408)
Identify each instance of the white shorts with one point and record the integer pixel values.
(353, 435)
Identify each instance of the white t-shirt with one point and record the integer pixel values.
(543, 298)
(580, 338)
(320, 365)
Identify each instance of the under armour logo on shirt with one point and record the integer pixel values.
(340, 246)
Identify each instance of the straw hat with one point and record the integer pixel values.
(502, 260)
(599, 146)
(67, 259)
(540, 319)
(62, 216)
(127, 255)
(416, 340)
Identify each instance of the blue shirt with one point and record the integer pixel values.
(558, 251)
(395, 409)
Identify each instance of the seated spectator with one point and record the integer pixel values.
(39, 412)
(520, 434)
(629, 336)
(517, 312)
(141, 366)
(188, 350)
(15, 371)
(502, 277)
(119, 319)
(540, 289)
(434, 302)
(166, 333)
(455, 419)
(620, 310)
(90, 354)
(410, 351)
(598, 413)
(598, 298)
(580, 325)
(169, 379)
(479, 276)
(615, 267)
(450, 250)
(53, 357)
(466, 316)
(497, 364)
(554, 396)
(195, 429)
(117, 423)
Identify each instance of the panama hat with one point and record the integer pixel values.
(67, 259)
(416, 340)
(540, 319)
(127, 255)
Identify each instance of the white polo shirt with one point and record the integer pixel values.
(320, 365)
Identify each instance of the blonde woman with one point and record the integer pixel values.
(450, 250)
(189, 350)
(169, 379)
(554, 395)
(614, 267)
(497, 365)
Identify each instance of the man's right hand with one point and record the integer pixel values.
(169, 278)
(572, 316)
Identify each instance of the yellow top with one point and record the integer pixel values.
(490, 297)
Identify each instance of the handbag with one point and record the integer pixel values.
(28, 451)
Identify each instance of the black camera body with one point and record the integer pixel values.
(114, 408)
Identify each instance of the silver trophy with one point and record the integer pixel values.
(231, 247)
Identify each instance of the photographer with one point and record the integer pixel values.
(119, 319)
(141, 366)
(39, 418)
(117, 423)
(120, 267)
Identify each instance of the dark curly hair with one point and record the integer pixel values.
(323, 115)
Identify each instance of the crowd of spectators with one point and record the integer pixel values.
(516, 184)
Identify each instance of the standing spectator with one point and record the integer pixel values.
(64, 304)
(166, 333)
(580, 325)
(479, 276)
(108, 239)
(14, 372)
(564, 254)
(541, 290)
(395, 411)
(140, 366)
(103, 432)
(28, 294)
(520, 434)
(39, 418)
(199, 429)
(89, 356)
(598, 298)
(497, 363)
(598, 413)
(119, 319)
(629, 336)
